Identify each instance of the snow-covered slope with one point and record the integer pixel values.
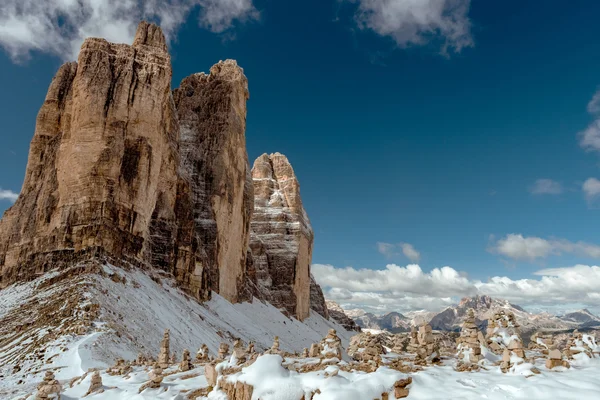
(88, 320)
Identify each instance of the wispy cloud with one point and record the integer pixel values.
(8, 195)
(546, 186)
(390, 250)
(410, 252)
(60, 26)
(387, 249)
(591, 190)
(519, 247)
(589, 139)
(418, 22)
(407, 288)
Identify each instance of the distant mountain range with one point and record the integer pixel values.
(451, 318)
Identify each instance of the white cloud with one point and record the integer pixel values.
(593, 106)
(409, 288)
(410, 252)
(591, 189)
(8, 195)
(546, 186)
(519, 247)
(387, 249)
(589, 139)
(418, 22)
(390, 250)
(60, 26)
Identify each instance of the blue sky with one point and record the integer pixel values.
(416, 126)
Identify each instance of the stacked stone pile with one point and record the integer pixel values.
(470, 341)
(50, 388)
(555, 359)
(186, 361)
(95, 384)
(164, 353)
(331, 345)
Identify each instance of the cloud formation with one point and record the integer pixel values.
(418, 22)
(409, 288)
(59, 26)
(390, 250)
(591, 190)
(519, 247)
(546, 186)
(8, 195)
(410, 252)
(589, 139)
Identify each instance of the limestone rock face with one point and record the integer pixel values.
(212, 115)
(281, 238)
(317, 300)
(122, 169)
(102, 173)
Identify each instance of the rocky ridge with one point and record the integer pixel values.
(281, 237)
(451, 318)
(123, 170)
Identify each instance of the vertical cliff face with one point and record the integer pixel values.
(124, 169)
(102, 174)
(317, 299)
(212, 116)
(281, 238)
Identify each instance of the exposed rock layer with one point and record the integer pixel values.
(281, 238)
(212, 115)
(125, 170)
(102, 170)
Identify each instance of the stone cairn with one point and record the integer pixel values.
(503, 328)
(331, 345)
(121, 367)
(163, 356)
(186, 361)
(140, 360)
(239, 354)
(156, 377)
(202, 354)
(95, 384)
(579, 343)
(366, 348)
(275, 348)
(223, 351)
(413, 345)
(504, 324)
(555, 359)
(315, 350)
(49, 388)
(469, 343)
(540, 342)
(423, 344)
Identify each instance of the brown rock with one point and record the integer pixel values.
(102, 175)
(317, 300)
(212, 116)
(210, 373)
(164, 354)
(281, 237)
(555, 354)
(95, 384)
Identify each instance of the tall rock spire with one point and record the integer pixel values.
(212, 115)
(102, 175)
(281, 237)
